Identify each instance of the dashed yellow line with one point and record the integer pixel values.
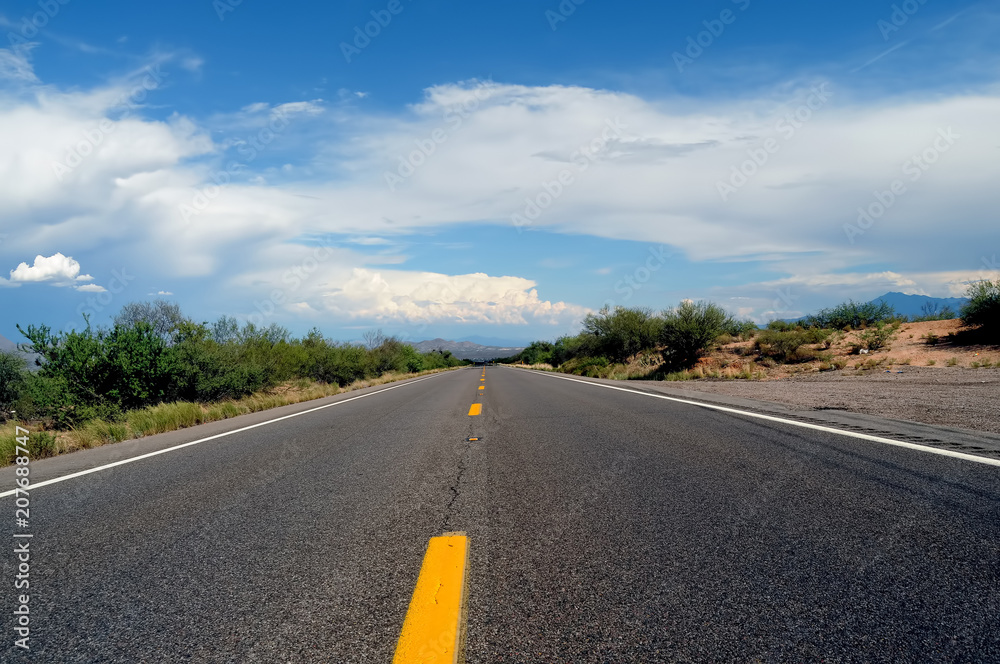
(476, 409)
(482, 387)
(434, 628)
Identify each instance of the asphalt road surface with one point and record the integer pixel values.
(603, 526)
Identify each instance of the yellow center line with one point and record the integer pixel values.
(434, 629)
(482, 387)
(476, 409)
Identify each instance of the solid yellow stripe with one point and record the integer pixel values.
(475, 409)
(434, 629)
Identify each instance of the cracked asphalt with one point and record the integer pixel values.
(604, 527)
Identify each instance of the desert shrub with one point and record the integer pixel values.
(620, 333)
(689, 330)
(592, 367)
(930, 311)
(13, 371)
(784, 346)
(876, 337)
(392, 355)
(983, 309)
(205, 370)
(783, 326)
(744, 329)
(852, 315)
(537, 352)
(931, 339)
(567, 347)
(100, 373)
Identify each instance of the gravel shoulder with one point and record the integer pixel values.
(947, 396)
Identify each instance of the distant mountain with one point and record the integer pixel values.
(912, 305)
(467, 350)
(497, 341)
(8, 346)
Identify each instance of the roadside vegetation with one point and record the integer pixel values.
(156, 370)
(701, 340)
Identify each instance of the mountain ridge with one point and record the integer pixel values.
(466, 350)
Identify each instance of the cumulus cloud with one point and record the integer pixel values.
(400, 296)
(51, 268)
(57, 269)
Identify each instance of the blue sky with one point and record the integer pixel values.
(472, 170)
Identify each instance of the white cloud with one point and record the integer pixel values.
(91, 288)
(314, 107)
(15, 66)
(399, 296)
(58, 269)
(656, 182)
(192, 63)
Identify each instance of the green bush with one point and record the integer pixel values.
(852, 314)
(13, 371)
(983, 309)
(783, 326)
(689, 330)
(744, 329)
(592, 367)
(620, 333)
(537, 352)
(154, 355)
(876, 337)
(785, 346)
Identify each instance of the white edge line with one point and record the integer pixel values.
(95, 469)
(804, 425)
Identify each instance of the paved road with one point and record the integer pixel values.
(604, 527)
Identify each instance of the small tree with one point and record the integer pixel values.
(621, 333)
(12, 368)
(374, 339)
(689, 330)
(162, 316)
(983, 309)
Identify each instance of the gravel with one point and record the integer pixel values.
(949, 396)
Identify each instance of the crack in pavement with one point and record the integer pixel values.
(455, 488)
